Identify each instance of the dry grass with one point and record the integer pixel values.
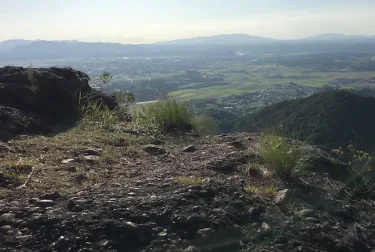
(266, 191)
(191, 180)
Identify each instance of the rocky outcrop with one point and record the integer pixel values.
(32, 100)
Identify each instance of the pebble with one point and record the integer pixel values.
(311, 220)
(191, 249)
(50, 196)
(45, 203)
(205, 231)
(307, 213)
(265, 226)
(7, 218)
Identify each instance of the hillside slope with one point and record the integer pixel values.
(329, 119)
(113, 183)
(109, 191)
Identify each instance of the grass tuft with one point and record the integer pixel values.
(190, 180)
(282, 155)
(267, 191)
(169, 116)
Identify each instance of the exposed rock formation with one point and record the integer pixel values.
(34, 100)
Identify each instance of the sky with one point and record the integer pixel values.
(146, 21)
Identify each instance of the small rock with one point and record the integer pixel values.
(190, 148)
(205, 231)
(154, 149)
(191, 249)
(74, 207)
(50, 196)
(162, 234)
(265, 227)
(45, 203)
(35, 219)
(92, 152)
(307, 213)
(193, 218)
(283, 197)
(67, 161)
(71, 204)
(208, 180)
(78, 208)
(5, 229)
(91, 158)
(279, 246)
(7, 218)
(311, 220)
(131, 225)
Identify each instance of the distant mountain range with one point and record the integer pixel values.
(243, 39)
(339, 37)
(218, 45)
(9, 44)
(223, 39)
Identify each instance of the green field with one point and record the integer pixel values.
(253, 78)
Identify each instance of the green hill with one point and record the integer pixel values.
(329, 119)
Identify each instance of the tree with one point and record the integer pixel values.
(105, 79)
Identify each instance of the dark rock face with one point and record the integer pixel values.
(33, 100)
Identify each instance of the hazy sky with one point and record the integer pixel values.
(138, 21)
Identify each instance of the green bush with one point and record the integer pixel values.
(282, 156)
(169, 116)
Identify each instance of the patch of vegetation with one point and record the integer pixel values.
(109, 157)
(255, 169)
(96, 114)
(267, 191)
(21, 166)
(362, 169)
(12, 173)
(190, 180)
(169, 116)
(282, 155)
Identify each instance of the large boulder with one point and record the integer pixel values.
(35, 99)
